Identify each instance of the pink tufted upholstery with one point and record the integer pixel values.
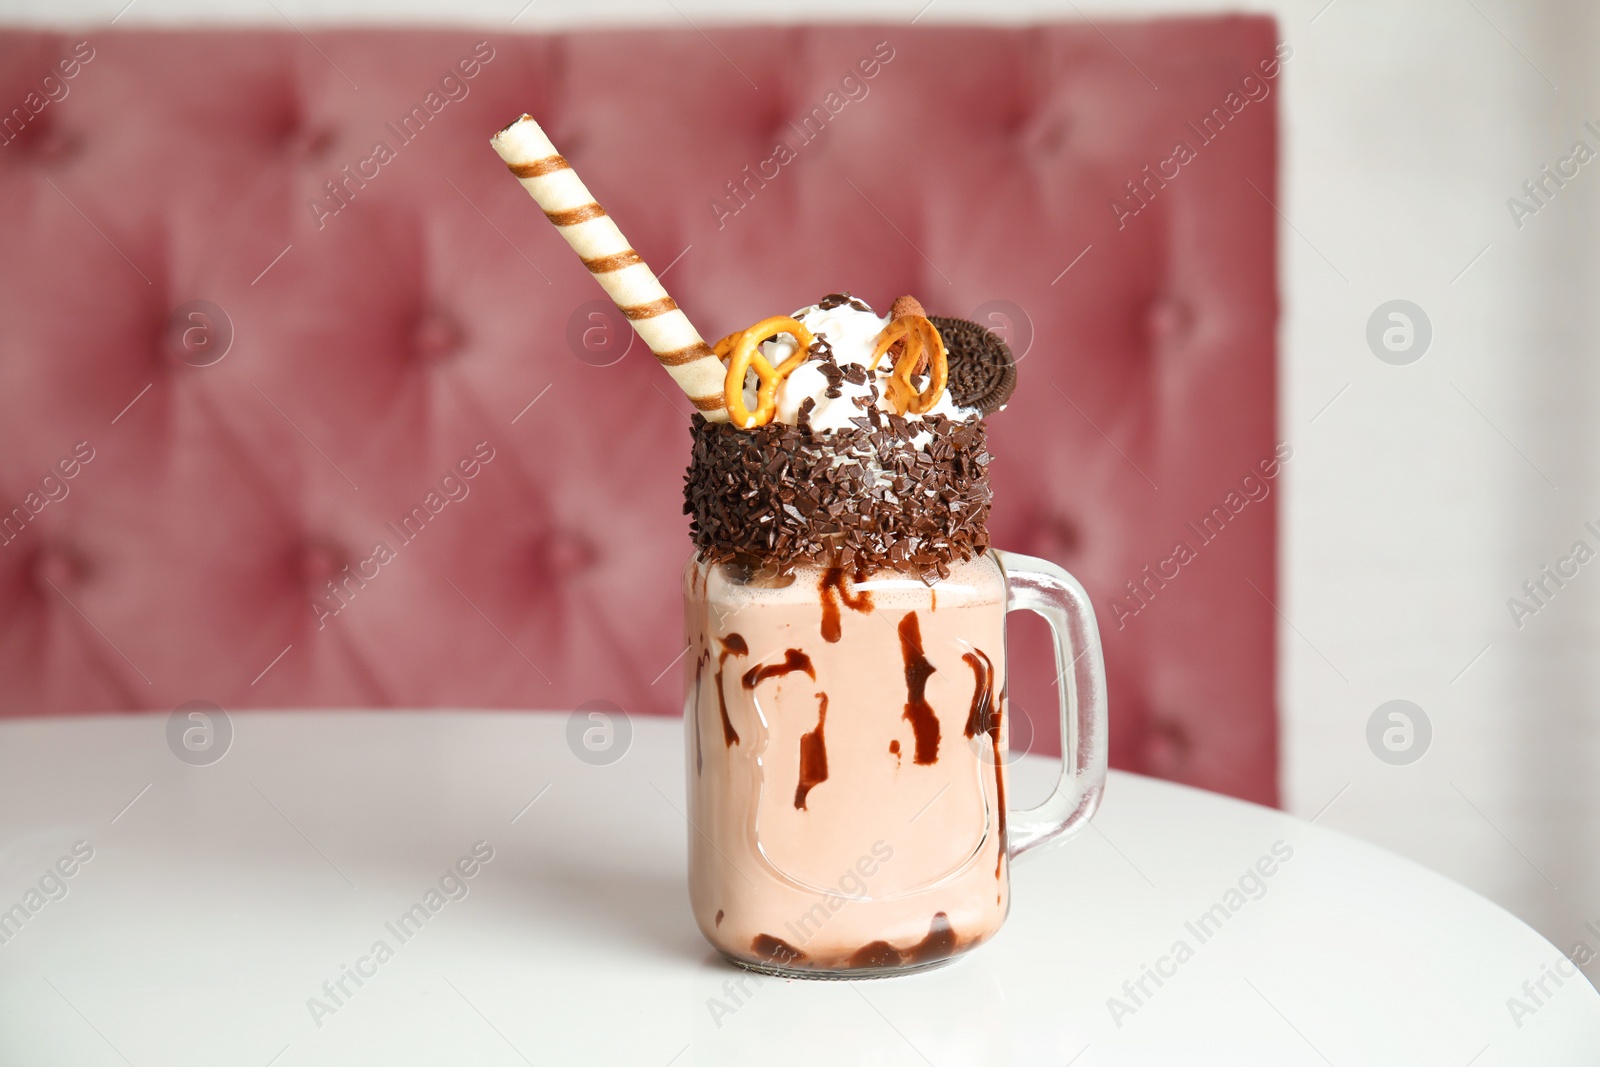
(375, 348)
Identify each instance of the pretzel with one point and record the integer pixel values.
(921, 339)
(742, 352)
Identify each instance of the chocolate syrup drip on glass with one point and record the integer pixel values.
(775, 949)
(875, 954)
(1000, 782)
(924, 723)
(793, 660)
(732, 645)
(813, 756)
(700, 662)
(835, 587)
(984, 717)
(730, 736)
(982, 708)
(940, 942)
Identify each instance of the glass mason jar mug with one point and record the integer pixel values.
(846, 745)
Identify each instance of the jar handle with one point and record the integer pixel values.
(1050, 592)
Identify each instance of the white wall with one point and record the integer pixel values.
(1422, 498)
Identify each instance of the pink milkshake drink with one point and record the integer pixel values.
(846, 721)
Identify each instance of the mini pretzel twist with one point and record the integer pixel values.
(921, 339)
(742, 351)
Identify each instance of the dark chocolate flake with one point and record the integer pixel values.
(923, 510)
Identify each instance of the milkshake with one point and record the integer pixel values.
(849, 808)
(845, 718)
(846, 722)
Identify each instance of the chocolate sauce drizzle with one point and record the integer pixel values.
(924, 723)
(700, 662)
(813, 756)
(939, 943)
(834, 588)
(984, 717)
(793, 660)
(775, 949)
(732, 645)
(875, 954)
(982, 710)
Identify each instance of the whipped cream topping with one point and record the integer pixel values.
(853, 334)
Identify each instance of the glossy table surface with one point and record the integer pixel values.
(243, 911)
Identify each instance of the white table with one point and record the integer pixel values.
(220, 900)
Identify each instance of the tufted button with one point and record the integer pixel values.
(771, 124)
(24, 141)
(1169, 320)
(55, 144)
(308, 143)
(318, 563)
(1049, 533)
(1052, 137)
(572, 139)
(1013, 121)
(198, 333)
(60, 566)
(563, 551)
(1063, 533)
(1167, 747)
(437, 335)
(43, 140)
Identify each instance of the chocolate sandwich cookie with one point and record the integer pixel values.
(982, 370)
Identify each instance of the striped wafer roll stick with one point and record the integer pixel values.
(625, 277)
